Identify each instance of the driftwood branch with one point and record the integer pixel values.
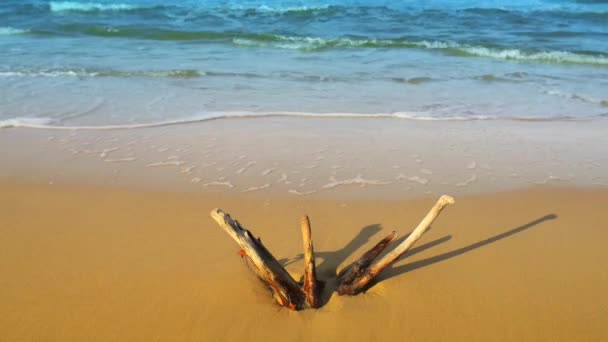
(285, 289)
(351, 280)
(310, 273)
(347, 275)
(353, 285)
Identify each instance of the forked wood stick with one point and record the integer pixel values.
(347, 275)
(310, 273)
(285, 289)
(378, 266)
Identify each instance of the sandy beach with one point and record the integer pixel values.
(99, 263)
(124, 123)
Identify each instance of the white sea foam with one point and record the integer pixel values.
(283, 178)
(166, 163)
(268, 171)
(220, 183)
(543, 56)
(516, 54)
(301, 193)
(187, 169)
(72, 6)
(574, 96)
(80, 72)
(266, 8)
(418, 180)
(245, 168)
(471, 179)
(120, 160)
(255, 188)
(318, 43)
(10, 31)
(44, 73)
(359, 180)
(311, 166)
(27, 122)
(104, 153)
(400, 176)
(47, 123)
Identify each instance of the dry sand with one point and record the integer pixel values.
(81, 263)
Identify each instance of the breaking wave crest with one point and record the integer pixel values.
(316, 44)
(540, 56)
(49, 123)
(72, 6)
(10, 31)
(300, 10)
(177, 73)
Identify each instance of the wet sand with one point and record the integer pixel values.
(316, 157)
(90, 263)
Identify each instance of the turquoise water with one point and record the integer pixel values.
(146, 62)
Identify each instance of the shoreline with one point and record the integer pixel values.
(98, 263)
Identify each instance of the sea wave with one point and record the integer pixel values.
(317, 44)
(565, 57)
(27, 122)
(576, 96)
(335, 7)
(197, 73)
(56, 124)
(312, 10)
(72, 6)
(9, 31)
(412, 80)
(171, 73)
(177, 73)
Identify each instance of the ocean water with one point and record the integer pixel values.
(120, 63)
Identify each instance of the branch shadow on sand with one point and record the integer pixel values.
(334, 259)
(399, 270)
(329, 261)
